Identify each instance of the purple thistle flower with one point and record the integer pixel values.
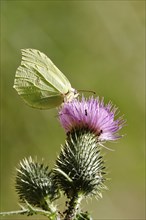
(94, 115)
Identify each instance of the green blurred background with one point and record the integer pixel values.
(98, 45)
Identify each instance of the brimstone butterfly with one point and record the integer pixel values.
(40, 83)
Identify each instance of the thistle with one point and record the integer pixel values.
(80, 169)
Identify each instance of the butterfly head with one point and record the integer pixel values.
(70, 95)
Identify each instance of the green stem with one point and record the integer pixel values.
(26, 211)
(73, 207)
(31, 211)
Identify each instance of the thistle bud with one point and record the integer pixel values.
(34, 183)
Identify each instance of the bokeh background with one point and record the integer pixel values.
(98, 45)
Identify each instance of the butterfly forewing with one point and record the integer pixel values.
(45, 68)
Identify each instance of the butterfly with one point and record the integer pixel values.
(40, 83)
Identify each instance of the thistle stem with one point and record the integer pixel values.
(18, 212)
(25, 211)
(31, 211)
(73, 207)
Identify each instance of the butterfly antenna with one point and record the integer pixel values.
(81, 90)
